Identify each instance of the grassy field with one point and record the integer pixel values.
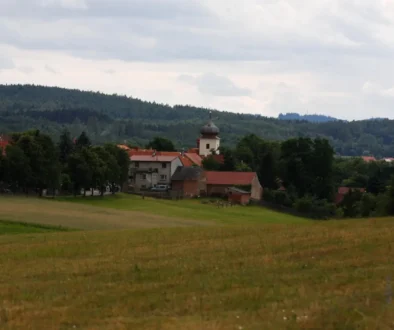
(189, 209)
(12, 227)
(193, 273)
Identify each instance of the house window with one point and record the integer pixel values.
(208, 146)
(143, 176)
(163, 165)
(136, 164)
(163, 177)
(143, 186)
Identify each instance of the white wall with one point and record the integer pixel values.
(151, 179)
(214, 143)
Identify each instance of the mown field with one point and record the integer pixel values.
(203, 274)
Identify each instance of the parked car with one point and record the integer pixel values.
(160, 187)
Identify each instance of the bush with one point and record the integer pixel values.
(304, 204)
(367, 205)
(315, 208)
(282, 198)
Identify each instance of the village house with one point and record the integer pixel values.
(148, 171)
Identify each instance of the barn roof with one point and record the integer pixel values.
(230, 178)
(187, 173)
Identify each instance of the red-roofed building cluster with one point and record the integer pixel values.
(182, 171)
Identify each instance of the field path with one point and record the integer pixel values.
(72, 215)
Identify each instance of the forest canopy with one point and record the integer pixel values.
(117, 118)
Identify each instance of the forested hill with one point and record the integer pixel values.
(121, 118)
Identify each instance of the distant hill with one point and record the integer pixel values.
(311, 118)
(119, 118)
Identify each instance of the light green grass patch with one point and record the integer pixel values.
(190, 209)
(12, 227)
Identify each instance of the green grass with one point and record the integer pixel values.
(12, 227)
(182, 266)
(325, 276)
(189, 209)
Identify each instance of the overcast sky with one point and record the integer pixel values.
(333, 57)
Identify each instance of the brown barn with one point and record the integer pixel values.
(218, 183)
(238, 196)
(186, 180)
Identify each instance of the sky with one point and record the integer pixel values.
(332, 57)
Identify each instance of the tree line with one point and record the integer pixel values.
(34, 162)
(117, 118)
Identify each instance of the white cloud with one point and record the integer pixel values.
(322, 56)
(216, 85)
(70, 4)
(26, 69)
(6, 63)
(50, 69)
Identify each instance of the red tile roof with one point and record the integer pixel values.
(187, 160)
(195, 158)
(368, 159)
(193, 151)
(230, 178)
(150, 158)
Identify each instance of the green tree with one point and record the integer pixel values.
(242, 167)
(123, 161)
(17, 168)
(161, 144)
(229, 160)
(109, 170)
(351, 204)
(65, 146)
(368, 204)
(389, 207)
(2, 166)
(307, 165)
(209, 163)
(79, 171)
(83, 141)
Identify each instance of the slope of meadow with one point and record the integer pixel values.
(189, 209)
(294, 274)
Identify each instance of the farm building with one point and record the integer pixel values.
(218, 183)
(238, 196)
(187, 181)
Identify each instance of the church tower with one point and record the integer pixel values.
(209, 141)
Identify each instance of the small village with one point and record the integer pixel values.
(181, 173)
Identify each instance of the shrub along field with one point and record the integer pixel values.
(294, 274)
